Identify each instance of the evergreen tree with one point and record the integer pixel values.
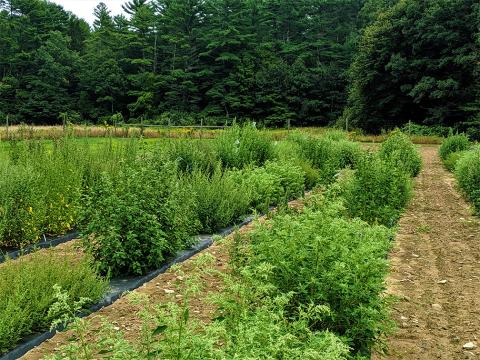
(417, 62)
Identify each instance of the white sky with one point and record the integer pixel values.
(84, 8)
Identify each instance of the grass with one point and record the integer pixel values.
(22, 132)
(27, 288)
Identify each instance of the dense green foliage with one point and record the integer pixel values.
(419, 60)
(178, 60)
(137, 217)
(329, 153)
(27, 291)
(467, 172)
(136, 205)
(241, 146)
(378, 192)
(399, 151)
(40, 190)
(453, 144)
(305, 283)
(326, 261)
(452, 159)
(302, 285)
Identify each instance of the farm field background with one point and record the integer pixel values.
(238, 179)
(138, 202)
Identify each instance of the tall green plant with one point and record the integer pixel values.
(399, 150)
(378, 192)
(133, 221)
(453, 144)
(241, 146)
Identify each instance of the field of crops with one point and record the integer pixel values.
(303, 283)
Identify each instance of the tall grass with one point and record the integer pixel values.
(42, 185)
(241, 146)
(328, 154)
(27, 291)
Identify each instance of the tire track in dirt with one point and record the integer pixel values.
(435, 271)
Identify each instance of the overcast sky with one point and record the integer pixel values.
(84, 8)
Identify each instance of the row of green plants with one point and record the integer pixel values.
(147, 211)
(462, 157)
(305, 284)
(42, 183)
(136, 204)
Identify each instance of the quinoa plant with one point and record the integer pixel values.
(399, 150)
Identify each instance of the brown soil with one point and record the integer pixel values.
(124, 313)
(435, 271)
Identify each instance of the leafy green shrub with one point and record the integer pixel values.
(452, 159)
(241, 146)
(453, 144)
(133, 221)
(192, 155)
(323, 261)
(264, 188)
(274, 184)
(312, 176)
(289, 177)
(289, 152)
(27, 291)
(378, 192)
(327, 155)
(398, 149)
(347, 153)
(219, 199)
(467, 173)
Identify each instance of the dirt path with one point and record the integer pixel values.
(435, 270)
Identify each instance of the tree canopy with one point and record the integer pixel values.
(418, 61)
(380, 63)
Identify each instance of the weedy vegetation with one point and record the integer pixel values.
(304, 284)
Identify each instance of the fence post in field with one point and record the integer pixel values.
(63, 116)
(7, 127)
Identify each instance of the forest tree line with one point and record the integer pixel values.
(372, 64)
